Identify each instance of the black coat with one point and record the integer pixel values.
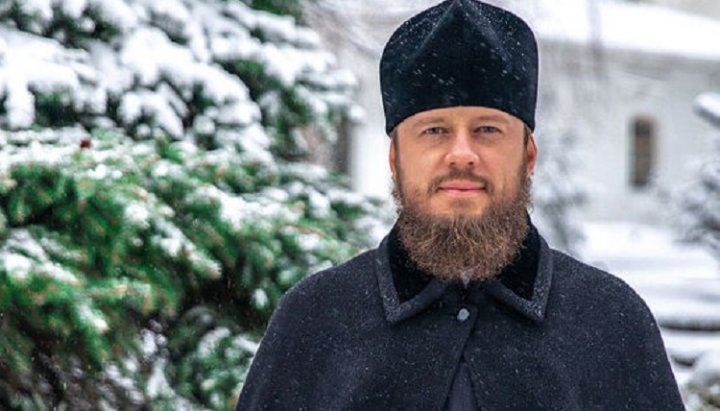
(342, 340)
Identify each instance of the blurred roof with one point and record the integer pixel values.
(626, 26)
(612, 24)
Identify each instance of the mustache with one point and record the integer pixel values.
(458, 174)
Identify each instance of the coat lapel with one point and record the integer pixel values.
(395, 311)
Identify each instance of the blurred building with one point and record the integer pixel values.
(710, 8)
(619, 76)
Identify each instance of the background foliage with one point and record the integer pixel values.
(155, 195)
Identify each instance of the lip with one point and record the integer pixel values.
(461, 188)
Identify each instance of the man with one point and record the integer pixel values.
(463, 306)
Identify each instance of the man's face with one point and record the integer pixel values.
(462, 187)
(455, 162)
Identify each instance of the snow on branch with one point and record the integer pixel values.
(182, 68)
(707, 105)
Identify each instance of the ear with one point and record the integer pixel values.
(531, 152)
(392, 154)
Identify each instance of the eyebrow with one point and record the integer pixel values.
(492, 117)
(426, 121)
(482, 117)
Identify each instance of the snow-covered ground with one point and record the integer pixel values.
(679, 282)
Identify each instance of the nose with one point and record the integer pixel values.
(461, 153)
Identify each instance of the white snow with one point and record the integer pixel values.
(281, 28)
(260, 298)
(153, 76)
(238, 114)
(245, 344)
(707, 370)
(639, 251)
(708, 105)
(99, 173)
(118, 79)
(89, 316)
(43, 147)
(319, 203)
(119, 13)
(137, 214)
(72, 8)
(152, 104)
(172, 245)
(42, 8)
(22, 255)
(57, 272)
(679, 282)
(16, 265)
(164, 168)
(112, 371)
(237, 210)
(288, 63)
(20, 103)
(710, 102)
(633, 26)
(176, 245)
(23, 241)
(203, 125)
(309, 242)
(688, 347)
(34, 63)
(207, 346)
(145, 52)
(158, 384)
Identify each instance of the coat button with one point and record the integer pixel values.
(463, 314)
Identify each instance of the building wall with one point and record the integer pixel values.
(593, 94)
(599, 95)
(369, 144)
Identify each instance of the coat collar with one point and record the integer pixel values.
(397, 311)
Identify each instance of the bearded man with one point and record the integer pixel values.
(463, 306)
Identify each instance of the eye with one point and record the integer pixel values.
(434, 130)
(488, 129)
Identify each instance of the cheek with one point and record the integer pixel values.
(413, 172)
(509, 176)
(411, 184)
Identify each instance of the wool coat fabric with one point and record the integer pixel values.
(343, 340)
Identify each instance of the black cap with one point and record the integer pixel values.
(460, 53)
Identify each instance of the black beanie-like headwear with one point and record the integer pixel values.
(460, 53)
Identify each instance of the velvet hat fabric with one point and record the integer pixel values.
(460, 53)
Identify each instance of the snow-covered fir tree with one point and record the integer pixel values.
(700, 222)
(557, 192)
(700, 218)
(702, 389)
(155, 198)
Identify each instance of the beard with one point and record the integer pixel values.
(463, 247)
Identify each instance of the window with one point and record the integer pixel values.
(643, 151)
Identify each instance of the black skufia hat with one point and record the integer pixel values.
(460, 53)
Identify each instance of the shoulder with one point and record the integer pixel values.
(312, 322)
(352, 275)
(329, 293)
(609, 327)
(320, 300)
(602, 309)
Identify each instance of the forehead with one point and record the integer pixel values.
(460, 113)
